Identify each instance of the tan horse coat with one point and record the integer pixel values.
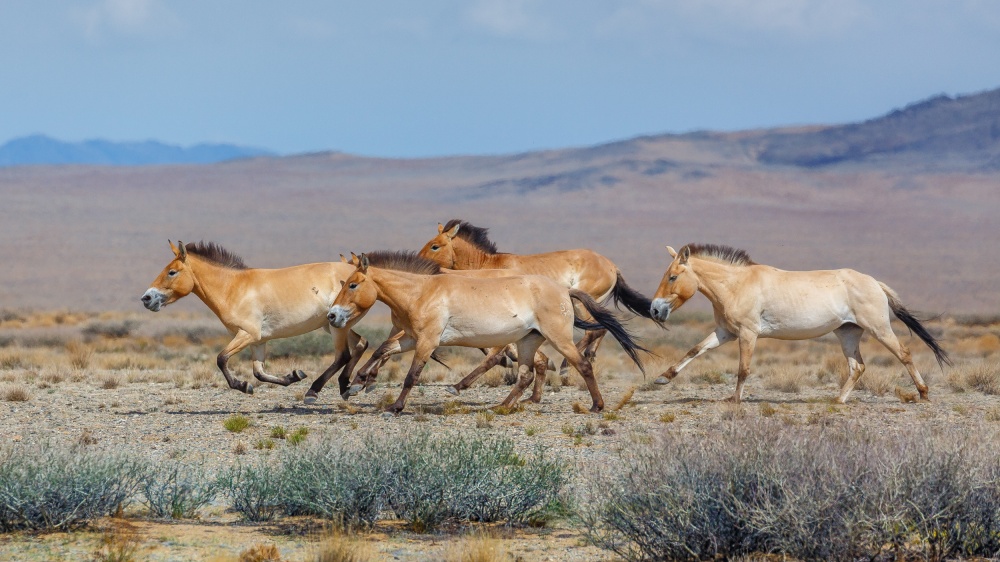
(258, 305)
(754, 301)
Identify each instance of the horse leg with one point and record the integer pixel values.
(346, 354)
(541, 364)
(413, 375)
(238, 344)
(850, 342)
(582, 366)
(714, 340)
(748, 340)
(887, 337)
(259, 352)
(398, 343)
(526, 348)
(493, 357)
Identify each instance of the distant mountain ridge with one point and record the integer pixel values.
(41, 149)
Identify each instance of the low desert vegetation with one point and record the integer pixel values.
(826, 492)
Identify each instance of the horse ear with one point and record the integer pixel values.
(440, 228)
(183, 255)
(354, 259)
(672, 252)
(685, 254)
(343, 259)
(364, 263)
(174, 248)
(453, 232)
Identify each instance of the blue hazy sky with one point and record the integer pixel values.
(435, 77)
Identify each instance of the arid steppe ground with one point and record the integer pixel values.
(147, 384)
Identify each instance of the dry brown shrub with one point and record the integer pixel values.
(338, 547)
(261, 553)
(477, 548)
(14, 358)
(79, 354)
(878, 381)
(580, 408)
(484, 419)
(767, 410)
(626, 398)
(52, 376)
(984, 377)
(905, 397)
(493, 378)
(120, 542)
(787, 379)
(15, 393)
(240, 448)
(384, 401)
(110, 381)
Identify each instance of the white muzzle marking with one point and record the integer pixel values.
(338, 316)
(153, 299)
(660, 310)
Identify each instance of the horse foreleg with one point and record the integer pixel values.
(714, 340)
(398, 343)
(259, 352)
(748, 340)
(526, 349)
(238, 344)
(493, 358)
(347, 348)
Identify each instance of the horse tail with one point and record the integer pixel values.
(911, 321)
(605, 320)
(633, 300)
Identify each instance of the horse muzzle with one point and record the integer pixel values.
(660, 309)
(153, 300)
(338, 316)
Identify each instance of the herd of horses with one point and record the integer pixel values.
(458, 290)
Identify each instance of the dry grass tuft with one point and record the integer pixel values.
(484, 419)
(667, 417)
(11, 359)
(384, 401)
(493, 378)
(453, 407)
(984, 377)
(236, 423)
(580, 408)
(626, 398)
(261, 553)
(110, 381)
(348, 408)
(788, 380)
(240, 448)
(905, 397)
(477, 548)
(508, 410)
(15, 393)
(338, 547)
(878, 381)
(79, 354)
(767, 410)
(119, 543)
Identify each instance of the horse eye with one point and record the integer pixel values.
(172, 272)
(435, 248)
(352, 286)
(672, 278)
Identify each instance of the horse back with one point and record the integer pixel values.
(581, 269)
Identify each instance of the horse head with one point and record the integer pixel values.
(174, 282)
(679, 284)
(356, 296)
(441, 248)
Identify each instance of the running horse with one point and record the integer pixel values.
(754, 301)
(463, 246)
(258, 305)
(435, 310)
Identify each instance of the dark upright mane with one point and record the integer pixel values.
(719, 252)
(402, 261)
(475, 235)
(216, 254)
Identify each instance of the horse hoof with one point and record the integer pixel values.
(532, 399)
(661, 380)
(248, 389)
(595, 409)
(388, 415)
(452, 390)
(310, 397)
(345, 394)
(369, 388)
(298, 375)
(354, 390)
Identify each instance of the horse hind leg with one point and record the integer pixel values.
(887, 337)
(850, 342)
(259, 352)
(494, 357)
(238, 344)
(347, 351)
(526, 349)
(541, 364)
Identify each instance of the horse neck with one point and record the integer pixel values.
(469, 256)
(399, 290)
(717, 281)
(212, 284)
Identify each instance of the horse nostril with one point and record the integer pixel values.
(146, 298)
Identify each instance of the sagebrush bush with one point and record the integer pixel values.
(833, 492)
(178, 490)
(50, 488)
(423, 480)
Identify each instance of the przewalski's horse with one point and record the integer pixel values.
(257, 305)
(758, 301)
(436, 310)
(460, 245)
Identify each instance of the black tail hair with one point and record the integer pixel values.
(633, 300)
(913, 323)
(605, 320)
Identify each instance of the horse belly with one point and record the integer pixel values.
(484, 332)
(807, 325)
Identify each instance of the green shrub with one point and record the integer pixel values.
(254, 490)
(236, 423)
(49, 488)
(836, 492)
(178, 490)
